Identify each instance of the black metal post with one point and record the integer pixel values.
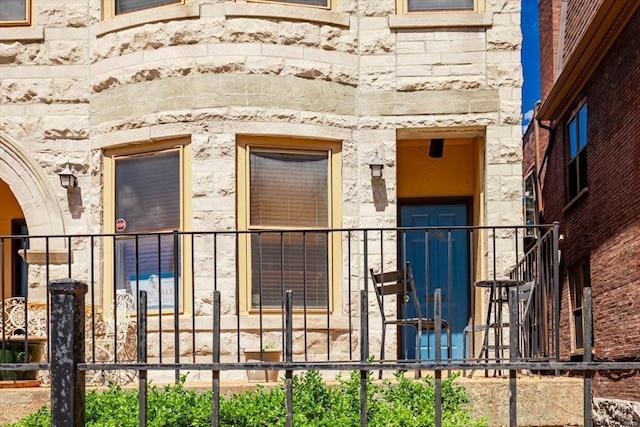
(215, 383)
(67, 350)
(176, 302)
(588, 357)
(513, 354)
(556, 293)
(364, 353)
(437, 316)
(288, 354)
(142, 358)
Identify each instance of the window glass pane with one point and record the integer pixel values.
(13, 10)
(572, 176)
(124, 6)
(579, 331)
(289, 261)
(148, 192)
(148, 263)
(288, 189)
(573, 138)
(318, 3)
(582, 120)
(418, 5)
(582, 169)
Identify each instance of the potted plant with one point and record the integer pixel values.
(267, 354)
(14, 352)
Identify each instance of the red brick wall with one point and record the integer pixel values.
(548, 22)
(604, 226)
(614, 92)
(579, 14)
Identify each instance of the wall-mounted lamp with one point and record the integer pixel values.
(376, 166)
(67, 178)
(436, 147)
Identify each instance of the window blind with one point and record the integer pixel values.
(148, 191)
(318, 3)
(290, 261)
(422, 5)
(124, 6)
(289, 189)
(13, 10)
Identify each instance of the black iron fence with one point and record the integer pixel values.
(141, 304)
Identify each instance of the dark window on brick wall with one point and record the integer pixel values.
(577, 149)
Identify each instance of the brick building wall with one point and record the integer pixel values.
(614, 102)
(579, 15)
(549, 24)
(603, 225)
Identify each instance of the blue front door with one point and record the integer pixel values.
(439, 259)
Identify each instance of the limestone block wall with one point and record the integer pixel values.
(73, 84)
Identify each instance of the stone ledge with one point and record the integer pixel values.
(22, 34)
(39, 256)
(260, 10)
(440, 20)
(147, 16)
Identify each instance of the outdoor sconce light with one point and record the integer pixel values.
(67, 178)
(436, 147)
(376, 166)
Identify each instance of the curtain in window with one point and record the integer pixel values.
(421, 5)
(13, 10)
(289, 190)
(124, 6)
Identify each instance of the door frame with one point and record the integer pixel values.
(435, 201)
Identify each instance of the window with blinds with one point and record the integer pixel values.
(431, 5)
(125, 6)
(147, 199)
(313, 3)
(14, 12)
(289, 190)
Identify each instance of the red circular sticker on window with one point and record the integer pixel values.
(121, 224)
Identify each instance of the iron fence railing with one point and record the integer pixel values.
(324, 269)
(186, 301)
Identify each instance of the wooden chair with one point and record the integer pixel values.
(401, 284)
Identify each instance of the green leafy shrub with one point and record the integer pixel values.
(399, 402)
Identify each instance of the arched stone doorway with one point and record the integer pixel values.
(27, 202)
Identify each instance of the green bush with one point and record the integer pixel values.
(400, 402)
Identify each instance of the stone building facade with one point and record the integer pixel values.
(206, 84)
(589, 169)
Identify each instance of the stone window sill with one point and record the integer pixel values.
(440, 20)
(148, 16)
(278, 11)
(22, 34)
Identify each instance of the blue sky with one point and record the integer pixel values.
(530, 59)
